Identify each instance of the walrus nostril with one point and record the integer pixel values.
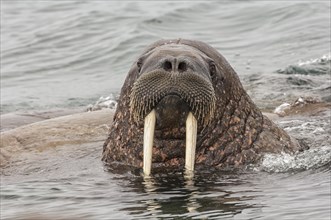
(167, 66)
(182, 67)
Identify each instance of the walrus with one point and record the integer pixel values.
(183, 105)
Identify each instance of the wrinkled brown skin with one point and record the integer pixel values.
(238, 135)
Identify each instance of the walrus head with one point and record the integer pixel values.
(174, 75)
(175, 81)
(183, 103)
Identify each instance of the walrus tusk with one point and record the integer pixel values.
(191, 139)
(149, 127)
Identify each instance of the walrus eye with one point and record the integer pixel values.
(212, 68)
(139, 65)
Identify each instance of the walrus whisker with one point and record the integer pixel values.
(145, 95)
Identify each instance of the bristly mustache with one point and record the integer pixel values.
(151, 87)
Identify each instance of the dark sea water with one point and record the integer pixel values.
(67, 54)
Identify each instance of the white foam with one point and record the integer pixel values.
(312, 158)
(323, 59)
(103, 102)
(280, 110)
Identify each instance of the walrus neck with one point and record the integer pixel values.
(239, 128)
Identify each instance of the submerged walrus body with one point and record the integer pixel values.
(175, 79)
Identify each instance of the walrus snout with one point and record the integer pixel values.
(152, 87)
(173, 96)
(171, 112)
(173, 91)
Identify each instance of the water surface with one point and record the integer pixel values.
(67, 54)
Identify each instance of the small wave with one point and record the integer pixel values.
(309, 159)
(280, 110)
(319, 66)
(103, 102)
(323, 60)
(297, 106)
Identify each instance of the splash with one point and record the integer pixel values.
(103, 102)
(325, 59)
(313, 131)
(318, 66)
(309, 159)
(281, 110)
(295, 106)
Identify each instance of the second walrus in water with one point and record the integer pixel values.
(182, 103)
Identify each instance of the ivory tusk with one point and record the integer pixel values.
(191, 139)
(149, 127)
